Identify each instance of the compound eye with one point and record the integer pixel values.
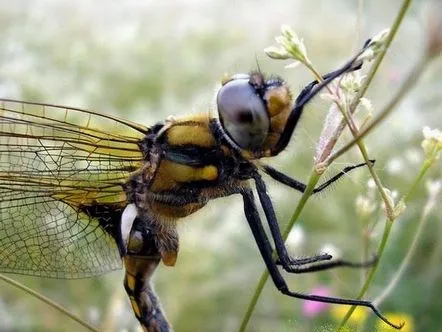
(243, 114)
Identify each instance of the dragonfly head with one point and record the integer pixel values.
(253, 111)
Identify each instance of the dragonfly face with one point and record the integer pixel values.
(82, 192)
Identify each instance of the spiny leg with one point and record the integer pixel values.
(309, 260)
(324, 266)
(299, 186)
(289, 264)
(265, 249)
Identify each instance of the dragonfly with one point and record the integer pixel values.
(84, 193)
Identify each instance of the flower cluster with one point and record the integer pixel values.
(375, 46)
(290, 46)
(432, 143)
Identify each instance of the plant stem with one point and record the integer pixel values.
(394, 101)
(370, 276)
(411, 250)
(48, 301)
(388, 224)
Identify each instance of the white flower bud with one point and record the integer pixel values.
(365, 206)
(277, 53)
(375, 46)
(434, 187)
(296, 238)
(432, 143)
(290, 47)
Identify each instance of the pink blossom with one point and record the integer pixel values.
(312, 308)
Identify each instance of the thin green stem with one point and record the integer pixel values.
(365, 245)
(48, 301)
(313, 180)
(252, 304)
(410, 252)
(425, 167)
(371, 275)
(388, 224)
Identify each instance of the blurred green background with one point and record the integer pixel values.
(144, 60)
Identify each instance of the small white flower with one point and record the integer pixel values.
(432, 143)
(365, 206)
(331, 249)
(352, 82)
(371, 184)
(278, 53)
(395, 165)
(390, 196)
(397, 208)
(433, 134)
(294, 64)
(93, 314)
(375, 46)
(296, 237)
(366, 104)
(413, 156)
(295, 43)
(290, 46)
(434, 187)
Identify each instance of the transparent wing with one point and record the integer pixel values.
(61, 176)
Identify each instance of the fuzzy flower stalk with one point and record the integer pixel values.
(342, 95)
(375, 45)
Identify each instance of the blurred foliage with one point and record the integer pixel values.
(146, 60)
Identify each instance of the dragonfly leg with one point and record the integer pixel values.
(289, 264)
(299, 186)
(265, 249)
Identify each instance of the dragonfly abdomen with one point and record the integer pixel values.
(143, 256)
